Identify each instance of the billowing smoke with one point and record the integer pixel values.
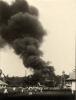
(2, 42)
(21, 29)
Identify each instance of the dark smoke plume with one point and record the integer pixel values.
(2, 42)
(34, 11)
(22, 25)
(5, 12)
(19, 6)
(21, 29)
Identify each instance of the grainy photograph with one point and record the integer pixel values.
(37, 48)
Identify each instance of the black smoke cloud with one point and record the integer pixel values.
(21, 29)
(34, 11)
(2, 42)
(22, 25)
(5, 13)
(19, 6)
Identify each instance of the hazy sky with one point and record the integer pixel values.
(59, 19)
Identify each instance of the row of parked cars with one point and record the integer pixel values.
(20, 90)
(31, 90)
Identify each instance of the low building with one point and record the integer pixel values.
(71, 81)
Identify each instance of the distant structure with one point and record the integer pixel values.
(0, 73)
(62, 80)
(72, 81)
(2, 83)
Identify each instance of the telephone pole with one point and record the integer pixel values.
(75, 65)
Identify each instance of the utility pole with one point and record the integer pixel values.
(75, 65)
(63, 79)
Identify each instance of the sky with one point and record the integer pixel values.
(59, 19)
